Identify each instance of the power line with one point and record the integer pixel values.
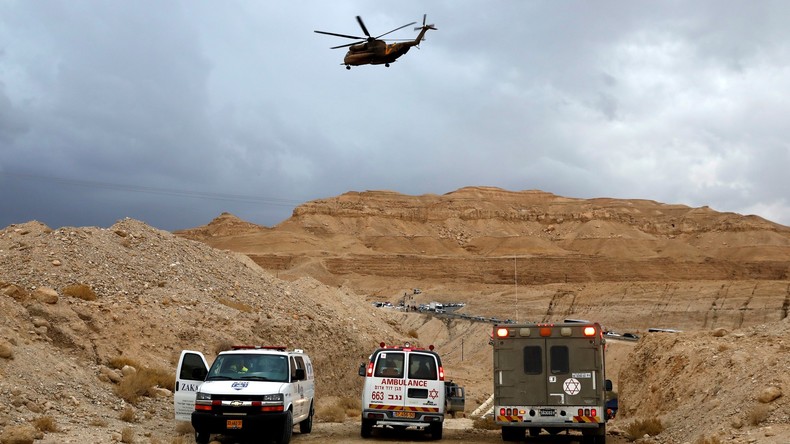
(156, 190)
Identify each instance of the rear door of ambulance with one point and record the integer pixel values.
(385, 390)
(424, 390)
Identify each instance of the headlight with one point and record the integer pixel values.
(200, 396)
(278, 397)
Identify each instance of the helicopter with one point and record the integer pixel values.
(372, 51)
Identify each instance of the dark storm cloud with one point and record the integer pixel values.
(173, 112)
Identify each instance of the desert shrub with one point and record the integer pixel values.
(240, 306)
(640, 428)
(127, 414)
(413, 333)
(331, 413)
(758, 414)
(338, 409)
(127, 435)
(80, 291)
(45, 424)
(99, 422)
(140, 383)
(485, 423)
(120, 361)
(184, 428)
(182, 439)
(705, 440)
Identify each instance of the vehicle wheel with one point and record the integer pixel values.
(436, 431)
(512, 433)
(306, 426)
(202, 437)
(287, 429)
(534, 431)
(366, 429)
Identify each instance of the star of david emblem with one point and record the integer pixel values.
(434, 394)
(572, 386)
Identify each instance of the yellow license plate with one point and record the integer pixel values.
(404, 414)
(233, 424)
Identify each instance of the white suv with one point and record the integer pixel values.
(249, 390)
(404, 387)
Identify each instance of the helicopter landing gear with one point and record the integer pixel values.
(348, 66)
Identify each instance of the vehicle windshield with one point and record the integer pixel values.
(250, 366)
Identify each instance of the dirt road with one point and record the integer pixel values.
(458, 430)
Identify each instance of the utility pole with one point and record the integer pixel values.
(515, 281)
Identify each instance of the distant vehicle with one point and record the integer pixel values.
(417, 291)
(611, 334)
(404, 387)
(663, 330)
(247, 391)
(552, 377)
(578, 321)
(454, 398)
(630, 336)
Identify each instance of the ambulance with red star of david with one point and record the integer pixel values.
(550, 377)
(404, 387)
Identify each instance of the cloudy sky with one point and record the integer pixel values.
(173, 112)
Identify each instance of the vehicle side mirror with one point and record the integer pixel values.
(607, 385)
(299, 375)
(362, 369)
(199, 374)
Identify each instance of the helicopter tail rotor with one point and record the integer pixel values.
(424, 26)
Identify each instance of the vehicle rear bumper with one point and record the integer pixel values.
(387, 417)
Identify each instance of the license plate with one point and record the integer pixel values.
(403, 414)
(547, 412)
(233, 424)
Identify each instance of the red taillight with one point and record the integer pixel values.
(594, 412)
(545, 331)
(441, 373)
(502, 411)
(203, 407)
(589, 331)
(580, 412)
(501, 332)
(370, 368)
(272, 408)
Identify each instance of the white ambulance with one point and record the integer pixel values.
(404, 387)
(248, 391)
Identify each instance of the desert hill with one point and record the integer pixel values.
(628, 263)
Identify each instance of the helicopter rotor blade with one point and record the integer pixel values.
(348, 44)
(362, 25)
(401, 27)
(340, 35)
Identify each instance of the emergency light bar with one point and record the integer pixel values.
(544, 330)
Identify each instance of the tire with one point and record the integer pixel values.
(306, 426)
(534, 431)
(287, 429)
(435, 430)
(510, 433)
(367, 428)
(202, 437)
